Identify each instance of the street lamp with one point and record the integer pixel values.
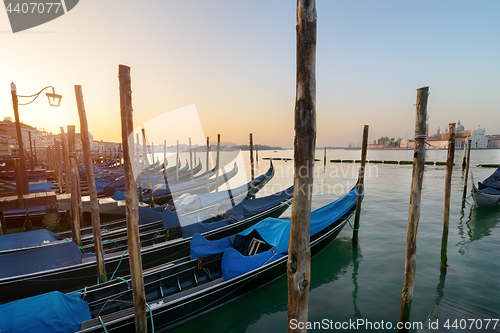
(54, 100)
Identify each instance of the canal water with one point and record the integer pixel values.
(365, 282)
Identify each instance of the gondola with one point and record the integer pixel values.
(114, 233)
(216, 273)
(487, 192)
(27, 273)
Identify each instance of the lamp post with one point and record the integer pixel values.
(54, 100)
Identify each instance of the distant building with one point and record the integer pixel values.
(493, 141)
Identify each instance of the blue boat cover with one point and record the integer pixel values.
(52, 312)
(492, 181)
(148, 214)
(26, 239)
(200, 246)
(40, 187)
(235, 264)
(244, 209)
(40, 259)
(276, 232)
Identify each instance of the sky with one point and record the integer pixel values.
(235, 62)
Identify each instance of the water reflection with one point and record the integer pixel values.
(263, 307)
(479, 223)
(356, 253)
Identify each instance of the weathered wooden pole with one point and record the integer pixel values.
(31, 152)
(34, 151)
(208, 162)
(165, 159)
(217, 166)
(324, 158)
(414, 207)
(177, 162)
(361, 183)
(464, 159)
(469, 144)
(64, 145)
(132, 204)
(447, 195)
(257, 156)
(75, 210)
(299, 253)
(59, 176)
(148, 173)
(89, 171)
(252, 175)
(139, 173)
(191, 158)
(153, 153)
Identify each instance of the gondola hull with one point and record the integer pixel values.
(84, 274)
(176, 309)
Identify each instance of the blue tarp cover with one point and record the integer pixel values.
(492, 181)
(40, 187)
(234, 263)
(52, 312)
(26, 239)
(200, 246)
(276, 232)
(40, 259)
(241, 211)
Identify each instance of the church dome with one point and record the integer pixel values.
(460, 127)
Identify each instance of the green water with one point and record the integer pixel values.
(366, 282)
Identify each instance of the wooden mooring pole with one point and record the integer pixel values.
(191, 159)
(177, 162)
(414, 207)
(252, 187)
(89, 171)
(64, 145)
(361, 184)
(299, 253)
(139, 173)
(447, 195)
(132, 203)
(208, 162)
(75, 210)
(469, 144)
(217, 166)
(324, 159)
(165, 163)
(146, 164)
(464, 159)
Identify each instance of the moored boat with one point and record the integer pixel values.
(487, 192)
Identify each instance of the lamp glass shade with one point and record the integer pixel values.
(54, 99)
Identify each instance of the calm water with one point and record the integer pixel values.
(366, 282)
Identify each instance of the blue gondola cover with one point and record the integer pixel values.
(52, 312)
(40, 259)
(200, 246)
(26, 239)
(492, 182)
(235, 264)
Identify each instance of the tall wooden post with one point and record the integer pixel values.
(64, 145)
(208, 161)
(191, 158)
(447, 194)
(148, 174)
(139, 173)
(257, 156)
(31, 152)
(324, 157)
(34, 151)
(75, 211)
(89, 171)
(58, 170)
(217, 166)
(177, 162)
(299, 253)
(252, 175)
(469, 144)
(132, 204)
(464, 159)
(165, 159)
(361, 183)
(414, 208)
